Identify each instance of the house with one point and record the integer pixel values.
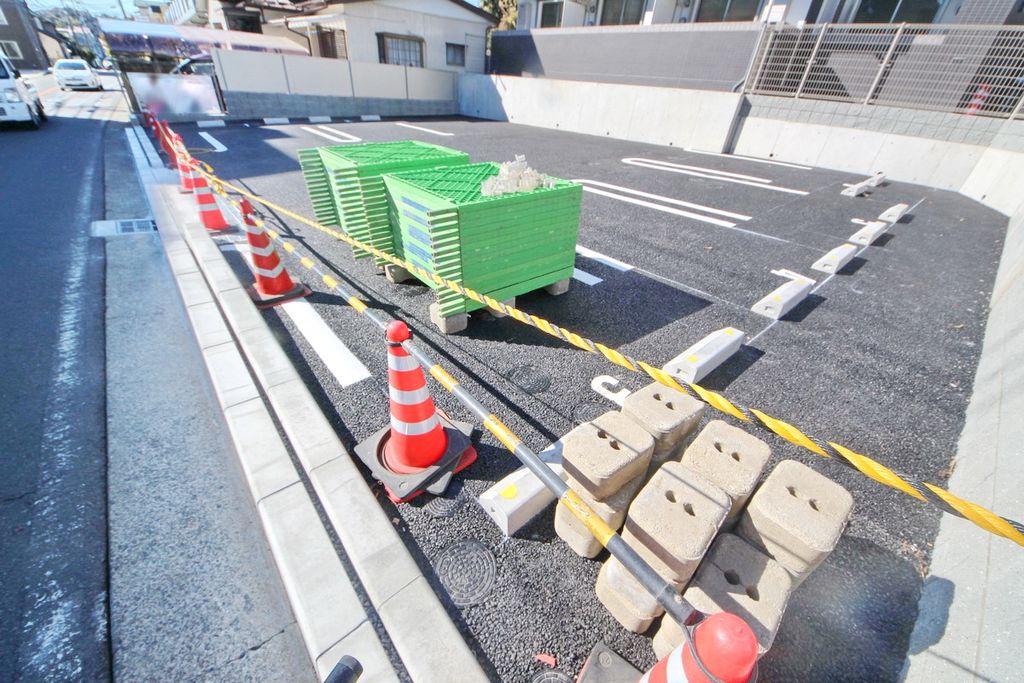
(19, 39)
(573, 13)
(447, 35)
(152, 11)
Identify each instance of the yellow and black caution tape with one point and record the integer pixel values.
(923, 491)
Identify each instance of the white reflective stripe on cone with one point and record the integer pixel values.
(409, 398)
(674, 672)
(401, 363)
(208, 208)
(269, 273)
(262, 251)
(414, 428)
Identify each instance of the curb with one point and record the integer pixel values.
(330, 615)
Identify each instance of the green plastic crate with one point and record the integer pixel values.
(501, 246)
(350, 177)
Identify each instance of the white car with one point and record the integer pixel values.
(76, 73)
(19, 101)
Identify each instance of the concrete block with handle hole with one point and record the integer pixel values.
(624, 611)
(612, 510)
(731, 459)
(619, 580)
(796, 517)
(605, 454)
(735, 577)
(676, 516)
(666, 414)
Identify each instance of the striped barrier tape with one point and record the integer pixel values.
(922, 491)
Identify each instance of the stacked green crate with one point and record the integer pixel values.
(353, 173)
(501, 246)
(319, 189)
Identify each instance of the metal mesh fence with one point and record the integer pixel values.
(975, 70)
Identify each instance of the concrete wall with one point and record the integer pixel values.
(664, 116)
(248, 105)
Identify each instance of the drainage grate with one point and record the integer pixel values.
(131, 226)
(551, 676)
(467, 570)
(530, 379)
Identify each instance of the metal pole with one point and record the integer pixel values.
(885, 63)
(810, 61)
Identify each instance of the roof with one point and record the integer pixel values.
(314, 6)
(137, 36)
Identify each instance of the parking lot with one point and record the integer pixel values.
(675, 244)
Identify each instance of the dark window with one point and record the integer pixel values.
(727, 10)
(455, 54)
(550, 14)
(332, 43)
(622, 12)
(402, 50)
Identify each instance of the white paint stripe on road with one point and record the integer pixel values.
(667, 200)
(661, 207)
(338, 358)
(425, 130)
(585, 277)
(332, 138)
(601, 258)
(746, 158)
(662, 167)
(217, 145)
(702, 169)
(340, 133)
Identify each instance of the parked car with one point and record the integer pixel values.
(19, 100)
(197, 64)
(76, 73)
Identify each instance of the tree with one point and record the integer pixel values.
(505, 10)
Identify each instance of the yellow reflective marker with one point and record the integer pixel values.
(307, 262)
(329, 281)
(509, 492)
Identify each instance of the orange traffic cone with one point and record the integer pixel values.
(206, 202)
(727, 648)
(978, 101)
(184, 163)
(273, 285)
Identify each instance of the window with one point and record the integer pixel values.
(332, 43)
(456, 54)
(3, 19)
(727, 10)
(550, 14)
(622, 12)
(10, 48)
(402, 50)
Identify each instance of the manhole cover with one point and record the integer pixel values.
(467, 570)
(443, 506)
(530, 379)
(587, 411)
(551, 676)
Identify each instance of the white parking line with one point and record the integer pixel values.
(678, 168)
(425, 130)
(340, 133)
(585, 277)
(338, 358)
(217, 146)
(322, 134)
(601, 258)
(667, 200)
(754, 159)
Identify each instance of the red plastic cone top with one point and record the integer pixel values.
(417, 437)
(726, 645)
(271, 277)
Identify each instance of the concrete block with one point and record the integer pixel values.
(208, 324)
(871, 231)
(558, 288)
(857, 189)
(612, 510)
(450, 325)
(619, 580)
(266, 357)
(731, 459)
(796, 517)
(605, 454)
(311, 435)
(676, 516)
(694, 364)
(230, 377)
(666, 414)
(396, 274)
(319, 119)
(737, 578)
(276, 121)
(835, 260)
(193, 289)
(265, 461)
(517, 498)
(894, 213)
(210, 124)
(372, 657)
(618, 607)
(498, 314)
(784, 298)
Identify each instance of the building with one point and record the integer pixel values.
(448, 35)
(573, 13)
(19, 37)
(152, 11)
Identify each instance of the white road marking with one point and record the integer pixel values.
(746, 158)
(665, 166)
(702, 169)
(340, 133)
(666, 200)
(332, 138)
(425, 130)
(601, 258)
(585, 277)
(217, 145)
(338, 358)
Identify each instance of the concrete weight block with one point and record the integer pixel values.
(676, 516)
(621, 609)
(736, 578)
(731, 459)
(835, 260)
(666, 414)
(621, 581)
(612, 510)
(696, 362)
(796, 517)
(605, 454)
(868, 234)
